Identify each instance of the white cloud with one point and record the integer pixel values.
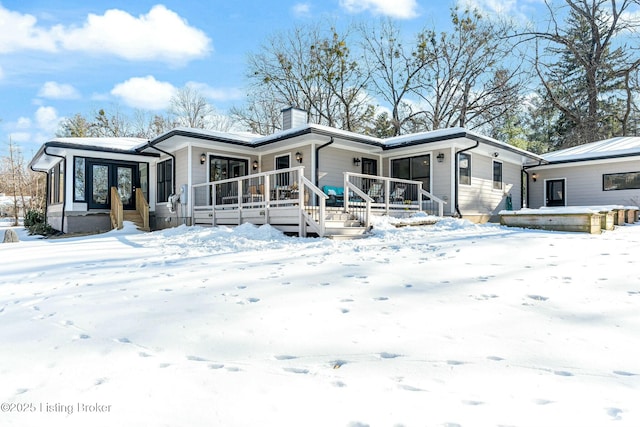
(1, 73)
(23, 123)
(20, 32)
(401, 9)
(20, 136)
(217, 94)
(47, 119)
(302, 9)
(159, 35)
(54, 90)
(145, 93)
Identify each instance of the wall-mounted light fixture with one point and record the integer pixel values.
(495, 154)
(255, 165)
(299, 157)
(356, 161)
(203, 158)
(534, 177)
(440, 157)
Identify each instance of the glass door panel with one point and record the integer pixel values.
(125, 185)
(100, 186)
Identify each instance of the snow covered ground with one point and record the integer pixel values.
(447, 325)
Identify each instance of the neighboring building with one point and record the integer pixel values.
(474, 176)
(600, 173)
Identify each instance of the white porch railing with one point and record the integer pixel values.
(390, 195)
(279, 197)
(287, 200)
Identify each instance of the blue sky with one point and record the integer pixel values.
(58, 58)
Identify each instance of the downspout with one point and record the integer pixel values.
(456, 173)
(173, 165)
(64, 199)
(318, 159)
(524, 170)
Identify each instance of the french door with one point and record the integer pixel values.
(103, 175)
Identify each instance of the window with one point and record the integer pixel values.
(79, 181)
(165, 180)
(464, 168)
(497, 175)
(621, 181)
(283, 162)
(415, 168)
(56, 184)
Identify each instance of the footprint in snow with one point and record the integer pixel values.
(296, 370)
(216, 366)
(123, 340)
(233, 369)
(563, 373)
(409, 387)
(284, 357)
(100, 381)
(537, 297)
(197, 359)
(385, 355)
(495, 358)
(472, 402)
(542, 401)
(344, 310)
(143, 354)
(625, 373)
(83, 337)
(614, 413)
(381, 298)
(455, 362)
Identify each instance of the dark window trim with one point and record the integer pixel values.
(460, 168)
(500, 182)
(165, 184)
(621, 174)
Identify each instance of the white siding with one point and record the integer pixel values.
(584, 184)
(480, 198)
(334, 162)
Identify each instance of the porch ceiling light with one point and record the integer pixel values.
(255, 165)
(299, 157)
(534, 177)
(203, 158)
(356, 161)
(440, 157)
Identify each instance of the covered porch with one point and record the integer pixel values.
(289, 201)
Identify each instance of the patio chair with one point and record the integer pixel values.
(397, 195)
(375, 192)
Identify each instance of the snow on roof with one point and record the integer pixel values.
(618, 146)
(114, 143)
(240, 136)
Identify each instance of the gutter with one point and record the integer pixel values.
(317, 172)
(64, 199)
(173, 165)
(457, 213)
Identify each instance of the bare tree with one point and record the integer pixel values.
(111, 124)
(472, 76)
(189, 108)
(586, 68)
(309, 69)
(397, 69)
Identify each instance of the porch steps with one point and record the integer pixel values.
(340, 225)
(134, 217)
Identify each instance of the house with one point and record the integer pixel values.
(599, 173)
(298, 179)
